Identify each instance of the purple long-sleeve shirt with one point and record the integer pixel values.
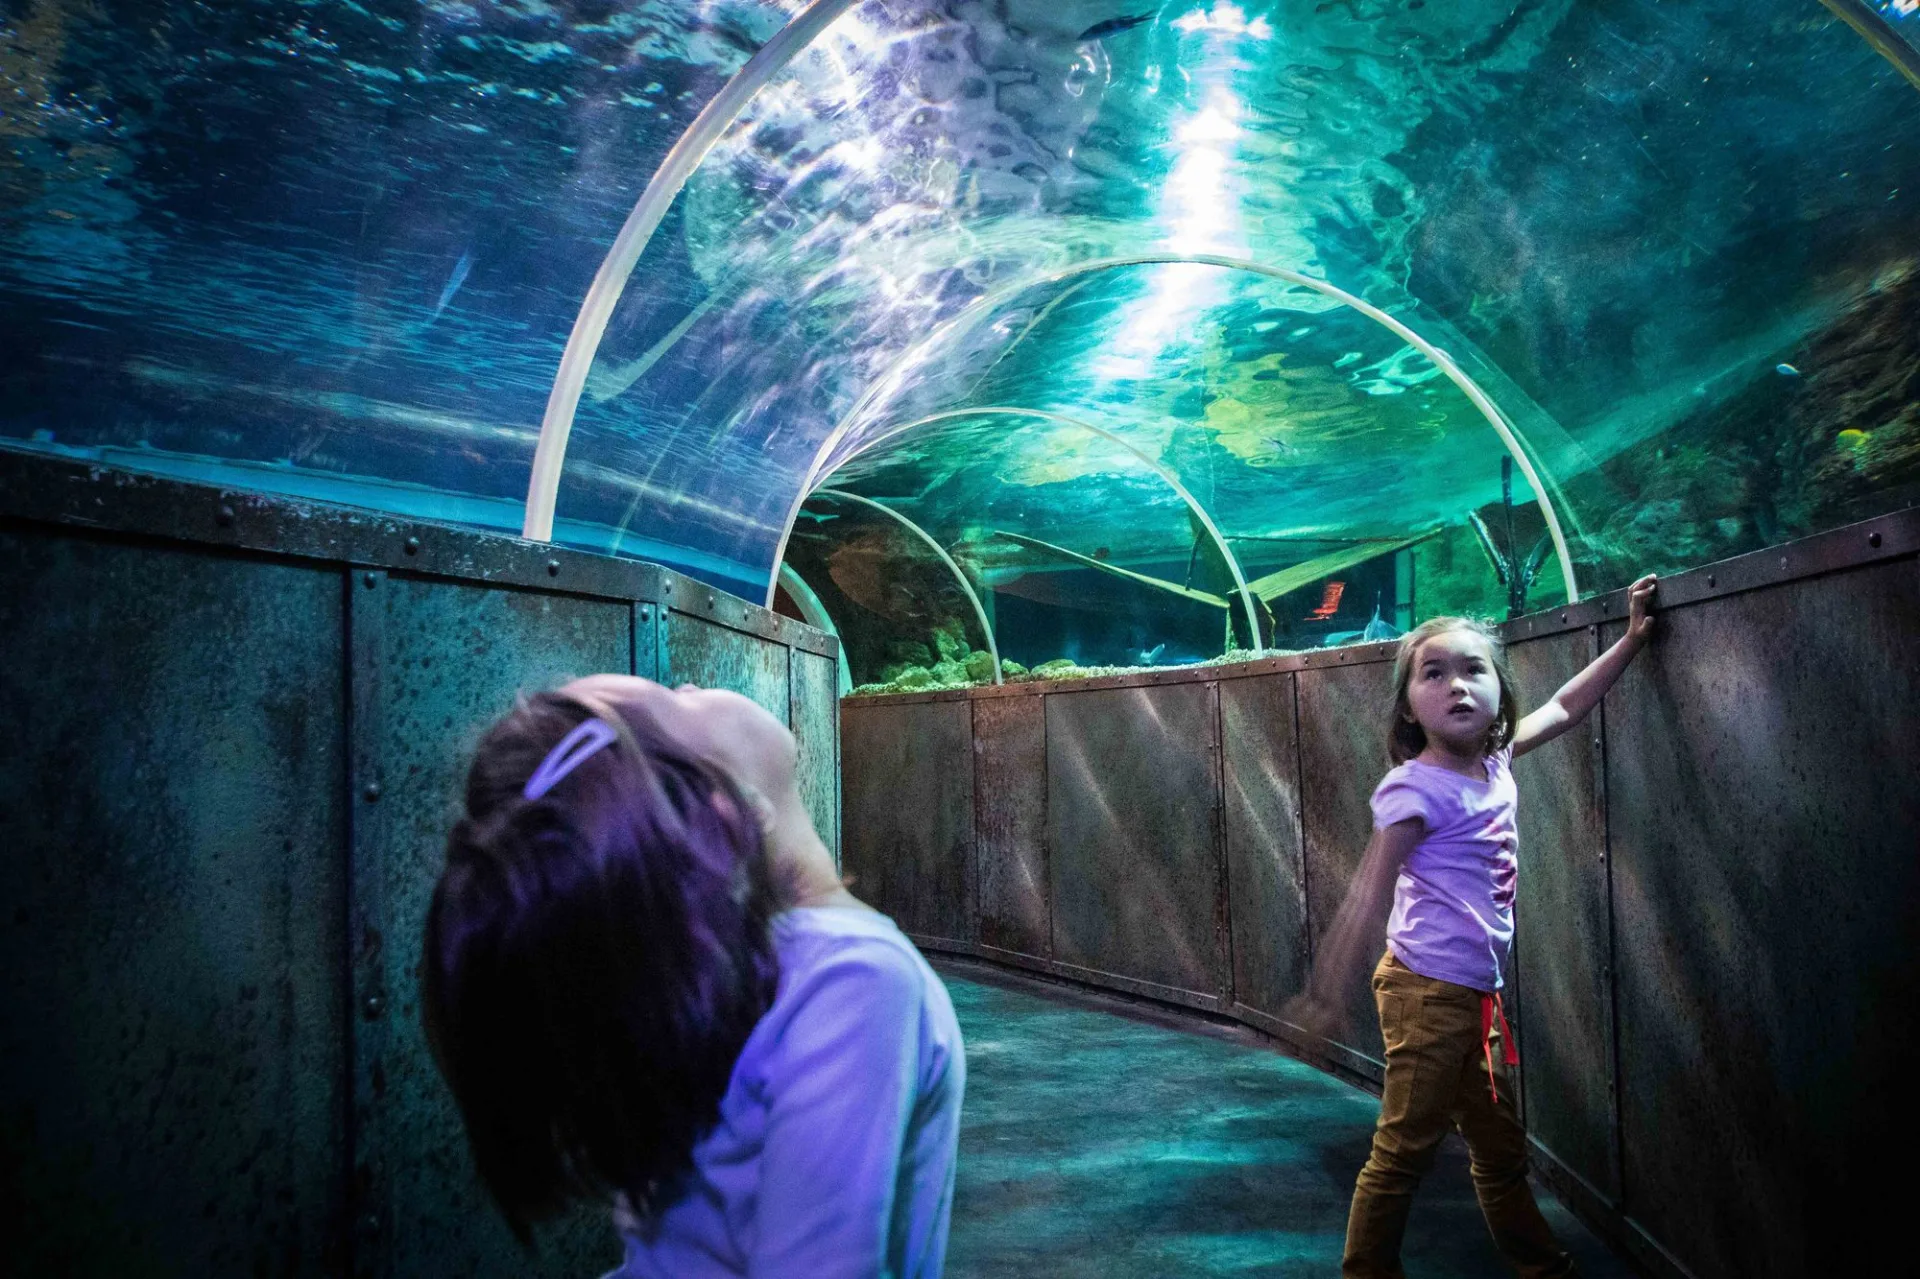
(1453, 902)
(834, 1154)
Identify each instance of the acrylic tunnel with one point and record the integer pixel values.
(1053, 418)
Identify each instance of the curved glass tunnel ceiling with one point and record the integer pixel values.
(337, 249)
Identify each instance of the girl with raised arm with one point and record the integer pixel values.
(1444, 844)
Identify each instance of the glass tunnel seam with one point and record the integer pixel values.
(979, 610)
(1509, 434)
(816, 615)
(610, 281)
(1047, 415)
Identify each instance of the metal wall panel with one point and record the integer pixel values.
(1133, 829)
(1010, 823)
(1344, 713)
(433, 663)
(172, 1067)
(1266, 876)
(814, 716)
(1764, 794)
(1563, 997)
(714, 656)
(907, 794)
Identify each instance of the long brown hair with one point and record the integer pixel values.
(1405, 737)
(595, 959)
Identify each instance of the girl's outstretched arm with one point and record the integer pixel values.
(1576, 700)
(1342, 954)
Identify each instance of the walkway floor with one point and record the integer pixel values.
(1098, 1144)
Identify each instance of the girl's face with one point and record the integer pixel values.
(1454, 691)
(728, 731)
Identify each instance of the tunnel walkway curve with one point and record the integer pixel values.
(1107, 1139)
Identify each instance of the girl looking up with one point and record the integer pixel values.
(647, 987)
(1444, 841)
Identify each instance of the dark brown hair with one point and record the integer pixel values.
(595, 960)
(1405, 737)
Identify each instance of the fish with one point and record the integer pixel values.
(1114, 26)
(1149, 656)
(1786, 370)
(461, 270)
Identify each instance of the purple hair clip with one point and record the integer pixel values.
(573, 750)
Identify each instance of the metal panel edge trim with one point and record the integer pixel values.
(368, 1187)
(1074, 972)
(1223, 980)
(1325, 1055)
(91, 495)
(1621, 1233)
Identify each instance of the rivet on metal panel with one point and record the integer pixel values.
(646, 614)
(224, 517)
(711, 602)
(371, 579)
(373, 1005)
(553, 568)
(370, 792)
(1593, 630)
(412, 546)
(1563, 617)
(1711, 581)
(1783, 563)
(1873, 539)
(1603, 857)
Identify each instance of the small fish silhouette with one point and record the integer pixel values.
(1114, 26)
(461, 270)
(1786, 370)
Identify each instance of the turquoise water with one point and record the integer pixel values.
(335, 249)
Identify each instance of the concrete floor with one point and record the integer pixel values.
(1104, 1140)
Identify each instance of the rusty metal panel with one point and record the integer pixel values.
(1010, 823)
(814, 717)
(432, 664)
(171, 1062)
(1265, 875)
(1763, 806)
(1133, 834)
(1344, 714)
(1562, 997)
(907, 792)
(713, 656)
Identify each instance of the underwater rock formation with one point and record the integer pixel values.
(1826, 435)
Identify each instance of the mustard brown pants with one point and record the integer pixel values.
(1438, 1052)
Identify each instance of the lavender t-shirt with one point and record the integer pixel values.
(1453, 903)
(834, 1154)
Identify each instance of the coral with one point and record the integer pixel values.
(950, 640)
